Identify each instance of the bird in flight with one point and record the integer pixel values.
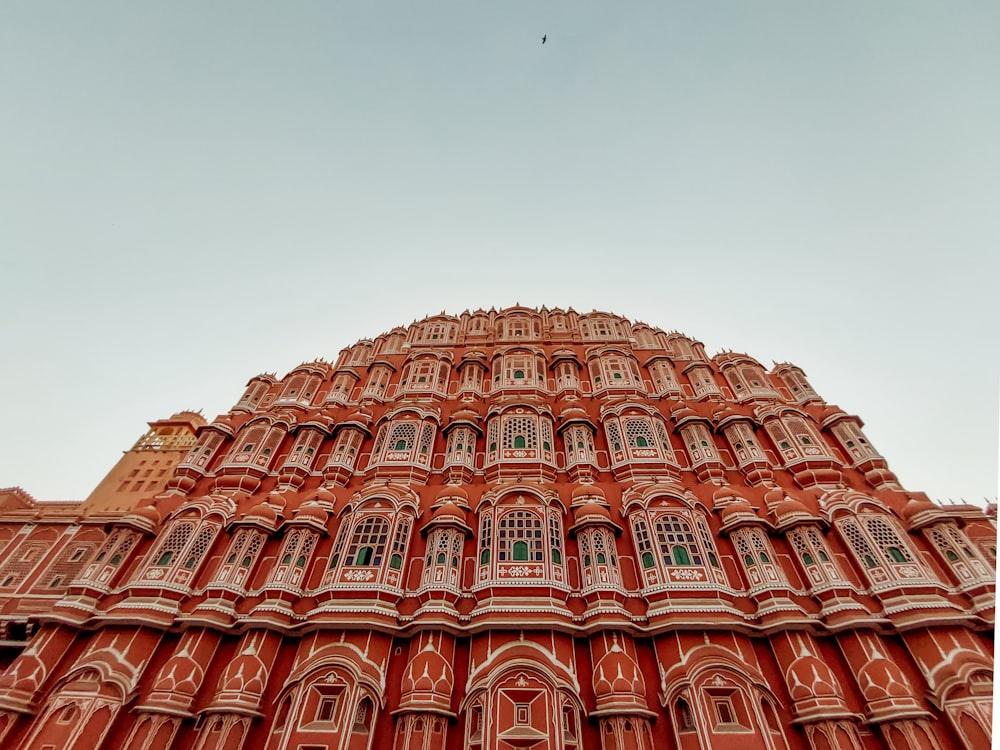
(544, 37)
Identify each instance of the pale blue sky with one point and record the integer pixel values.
(261, 184)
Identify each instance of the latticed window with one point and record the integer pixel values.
(883, 553)
(173, 544)
(703, 382)
(256, 445)
(426, 442)
(520, 432)
(361, 353)
(803, 435)
(195, 553)
(345, 452)
(639, 434)
(304, 451)
(555, 539)
(757, 557)
(378, 381)
(402, 436)
(182, 552)
(643, 545)
(965, 561)
(859, 542)
(614, 435)
(679, 551)
(118, 545)
(520, 327)
(399, 543)
(664, 379)
(708, 544)
(240, 557)
(744, 443)
(461, 447)
(485, 539)
(579, 445)
(368, 545)
(600, 563)
(886, 537)
(338, 546)
(253, 395)
(853, 441)
(341, 387)
(782, 439)
(493, 439)
(699, 442)
(300, 389)
(472, 377)
(398, 442)
(546, 439)
(567, 376)
(812, 551)
(294, 556)
(645, 338)
(520, 537)
(204, 450)
(444, 554)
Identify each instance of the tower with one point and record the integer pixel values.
(144, 469)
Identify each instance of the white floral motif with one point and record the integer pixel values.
(687, 575)
(521, 571)
(358, 575)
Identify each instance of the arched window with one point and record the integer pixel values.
(755, 551)
(680, 550)
(885, 556)
(182, 551)
(521, 543)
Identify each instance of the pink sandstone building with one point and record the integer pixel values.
(508, 529)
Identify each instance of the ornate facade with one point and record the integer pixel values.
(506, 529)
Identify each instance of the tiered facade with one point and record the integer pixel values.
(507, 529)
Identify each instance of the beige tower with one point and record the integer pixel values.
(144, 469)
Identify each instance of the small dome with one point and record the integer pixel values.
(361, 416)
(683, 413)
(811, 678)
(774, 496)
(917, 505)
(573, 412)
(739, 507)
(453, 491)
(616, 674)
(264, 512)
(148, 513)
(324, 495)
(725, 495)
(590, 510)
(448, 510)
(790, 507)
(311, 510)
(588, 490)
(466, 414)
(428, 672)
(881, 678)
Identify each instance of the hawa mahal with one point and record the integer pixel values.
(524, 528)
